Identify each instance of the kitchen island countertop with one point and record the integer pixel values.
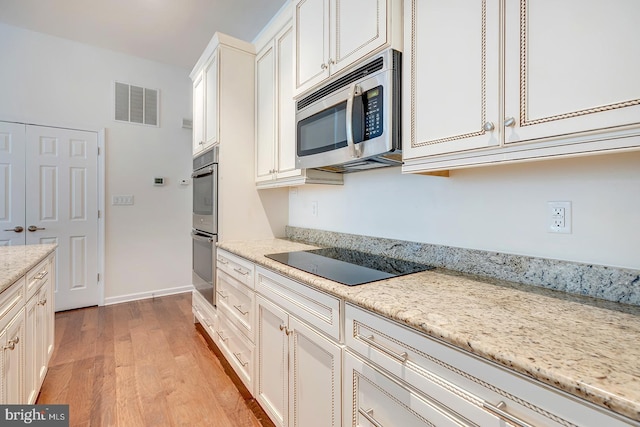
(584, 346)
(16, 261)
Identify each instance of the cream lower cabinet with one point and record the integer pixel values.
(397, 376)
(492, 81)
(27, 333)
(299, 367)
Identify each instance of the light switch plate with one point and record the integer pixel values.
(122, 200)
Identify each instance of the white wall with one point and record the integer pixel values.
(498, 208)
(51, 81)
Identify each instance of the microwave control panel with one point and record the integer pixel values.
(372, 105)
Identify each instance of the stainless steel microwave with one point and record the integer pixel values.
(352, 123)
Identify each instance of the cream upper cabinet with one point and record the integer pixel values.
(198, 113)
(205, 106)
(571, 71)
(331, 35)
(275, 113)
(486, 85)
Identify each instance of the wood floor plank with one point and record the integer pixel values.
(142, 363)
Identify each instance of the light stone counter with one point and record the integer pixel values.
(587, 347)
(16, 261)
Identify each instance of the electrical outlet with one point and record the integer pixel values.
(559, 216)
(314, 208)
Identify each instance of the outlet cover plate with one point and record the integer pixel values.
(559, 217)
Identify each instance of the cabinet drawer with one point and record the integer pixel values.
(420, 360)
(204, 314)
(376, 399)
(11, 301)
(237, 349)
(236, 267)
(314, 307)
(37, 276)
(236, 301)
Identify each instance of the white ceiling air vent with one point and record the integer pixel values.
(135, 104)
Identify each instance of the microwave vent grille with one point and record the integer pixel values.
(365, 70)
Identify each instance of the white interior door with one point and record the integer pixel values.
(12, 165)
(62, 207)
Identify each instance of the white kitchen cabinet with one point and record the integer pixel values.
(331, 35)
(198, 113)
(300, 370)
(27, 333)
(454, 382)
(12, 377)
(205, 106)
(39, 326)
(220, 80)
(487, 85)
(275, 115)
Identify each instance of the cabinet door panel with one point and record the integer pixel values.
(13, 360)
(273, 349)
(211, 102)
(451, 74)
(312, 45)
(286, 107)
(314, 380)
(265, 113)
(360, 27)
(573, 70)
(198, 114)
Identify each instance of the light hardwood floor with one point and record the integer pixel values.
(142, 363)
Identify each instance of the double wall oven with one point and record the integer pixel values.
(205, 223)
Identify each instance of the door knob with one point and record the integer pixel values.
(33, 228)
(17, 229)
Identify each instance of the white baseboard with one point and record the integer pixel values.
(146, 295)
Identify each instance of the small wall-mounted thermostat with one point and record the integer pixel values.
(158, 180)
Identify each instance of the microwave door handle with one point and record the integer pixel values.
(354, 91)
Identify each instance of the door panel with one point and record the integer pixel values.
(62, 204)
(12, 205)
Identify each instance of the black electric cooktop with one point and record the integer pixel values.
(347, 266)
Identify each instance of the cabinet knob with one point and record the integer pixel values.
(323, 66)
(509, 121)
(489, 127)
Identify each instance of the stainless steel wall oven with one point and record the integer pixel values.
(205, 223)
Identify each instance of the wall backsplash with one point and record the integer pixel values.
(608, 283)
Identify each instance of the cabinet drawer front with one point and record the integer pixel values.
(37, 276)
(236, 301)
(11, 301)
(204, 314)
(236, 267)
(238, 351)
(419, 360)
(314, 307)
(375, 399)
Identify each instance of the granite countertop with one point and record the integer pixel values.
(16, 261)
(586, 347)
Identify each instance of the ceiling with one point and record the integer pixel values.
(169, 31)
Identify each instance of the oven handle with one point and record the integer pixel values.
(201, 238)
(354, 91)
(203, 172)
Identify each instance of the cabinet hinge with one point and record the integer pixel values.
(98, 277)
(99, 214)
(98, 151)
